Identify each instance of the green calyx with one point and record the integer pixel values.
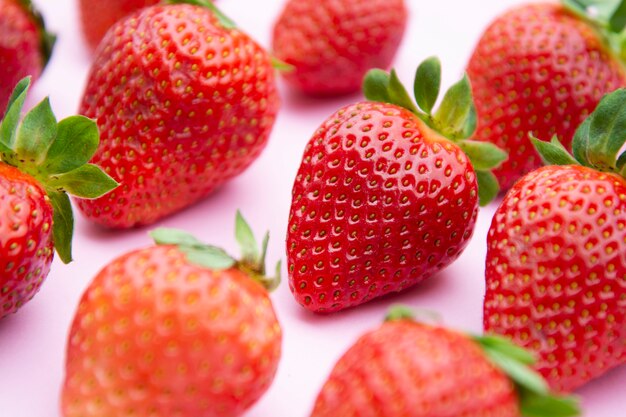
(455, 119)
(608, 17)
(224, 20)
(598, 141)
(57, 156)
(198, 253)
(47, 39)
(534, 395)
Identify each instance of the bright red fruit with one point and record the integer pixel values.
(96, 17)
(409, 369)
(382, 199)
(331, 44)
(40, 162)
(183, 102)
(179, 329)
(556, 265)
(25, 46)
(540, 69)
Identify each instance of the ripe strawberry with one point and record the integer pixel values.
(541, 68)
(409, 369)
(25, 46)
(96, 17)
(40, 161)
(556, 265)
(331, 44)
(179, 329)
(385, 195)
(181, 109)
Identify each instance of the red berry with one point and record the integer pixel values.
(538, 69)
(332, 44)
(183, 104)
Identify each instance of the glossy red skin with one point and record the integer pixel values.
(406, 369)
(20, 48)
(555, 279)
(174, 124)
(538, 69)
(96, 17)
(333, 43)
(161, 337)
(26, 248)
(380, 203)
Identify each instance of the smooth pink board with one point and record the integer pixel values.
(32, 342)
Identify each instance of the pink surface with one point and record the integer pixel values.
(32, 342)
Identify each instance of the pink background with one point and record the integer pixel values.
(32, 342)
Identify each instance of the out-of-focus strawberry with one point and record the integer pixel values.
(386, 194)
(556, 260)
(542, 69)
(409, 369)
(41, 161)
(25, 46)
(178, 329)
(331, 44)
(184, 102)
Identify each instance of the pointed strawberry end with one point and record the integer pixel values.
(212, 257)
(56, 154)
(455, 118)
(534, 396)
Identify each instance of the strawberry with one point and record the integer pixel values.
(181, 109)
(556, 265)
(96, 17)
(386, 194)
(178, 329)
(41, 161)
(542, 68)
(409, 369)
(25, 45)
(331, 44)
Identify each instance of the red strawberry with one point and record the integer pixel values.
(409, 369)
(331, 44)
(96, 17)
(181, 108)
(40, 161)
(385, 195)
(540, 68)
(556, 264)
(179, 329)
(25, 46)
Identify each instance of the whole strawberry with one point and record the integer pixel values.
(184, 102)
(41, 161)
(178, 329)
(556, 254)
(542, 68)
(25, 46)
(385, 195)
(331, 44)
(409, 369)
(96, 17)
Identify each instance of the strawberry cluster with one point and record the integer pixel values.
(179, 101)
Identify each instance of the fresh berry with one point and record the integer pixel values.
(408, 369)
(178, 329)
(385, 195)
(40, 162)
(556, 270)
(96, 17)
(541, 69)
(181, 109)
(25, 46)
(331, 44)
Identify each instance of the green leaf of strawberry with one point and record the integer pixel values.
(224, 20)
(56, 155)
(47, 39)
(455, 118)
